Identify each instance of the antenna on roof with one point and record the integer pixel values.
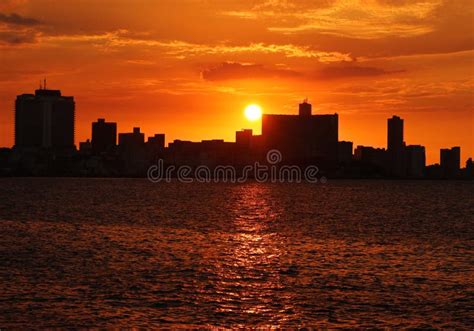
(44, 86)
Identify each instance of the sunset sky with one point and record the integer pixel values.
(188, 68)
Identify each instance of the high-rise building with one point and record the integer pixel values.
(450, 161)
(395, 133)
(132, 151)
(303, 137)
(104, 136)
(44, 120)
(395, 147)
(415, 158)
(305, 108)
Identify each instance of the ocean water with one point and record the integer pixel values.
(129, 253)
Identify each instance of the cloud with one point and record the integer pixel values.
(17, 37)
(182, 49)
(233, 70)
(352, 71)
(15, 19)
(240, 71)
(17, 30)
(361, 19)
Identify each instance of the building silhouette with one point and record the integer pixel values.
(395, 147)
(104, 136)
(132, 152)
(450, 161)
(207, 152)
(469, 168)
(132, 140)
(370, 155)
(155, 147)
(243, 138)
(45, 119)
(305, 108)
(415, 160)
(157, 141)
(303, 137)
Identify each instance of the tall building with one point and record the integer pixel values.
(395, 147)
(305, 108)
(104, 136)
(133, 152)
(415, 157)
(303, 137)
(450, 161)
(44, 120)
(395, 133)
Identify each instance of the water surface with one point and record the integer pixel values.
(125, 252)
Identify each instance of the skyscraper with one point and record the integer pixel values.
(104, 136)
(305, 108)
(44, 120)
(395, 134)
(395, 147)
(450, 161)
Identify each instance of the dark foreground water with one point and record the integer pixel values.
(125, 252)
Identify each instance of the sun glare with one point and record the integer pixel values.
(253, 112)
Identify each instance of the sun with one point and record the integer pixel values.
(253, 112)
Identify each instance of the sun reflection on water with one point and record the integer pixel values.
(249, 272)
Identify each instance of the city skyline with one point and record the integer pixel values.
(189, 68)
(45, 129)
(285, 132)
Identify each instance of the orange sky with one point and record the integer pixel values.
(188, 67)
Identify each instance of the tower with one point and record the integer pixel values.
(45, 119)
(395, 147)
(305, 108)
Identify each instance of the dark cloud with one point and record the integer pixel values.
(237, 71)
(17, 37)
(17, 30)
(233, 70)
(337, 72)
(15, 19)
